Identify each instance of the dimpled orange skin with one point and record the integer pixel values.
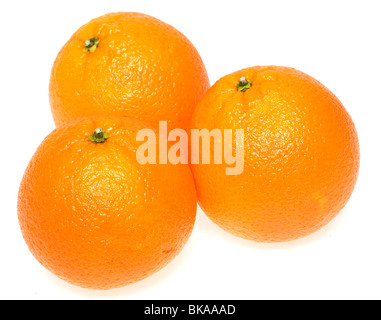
(143, 68)
(95, 217)
(301, 155)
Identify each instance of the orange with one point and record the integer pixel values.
(95, 217)
(301, 154)
(128, 64)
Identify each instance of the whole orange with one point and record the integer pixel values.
(95, 217)
(301, 154)
(128, 64)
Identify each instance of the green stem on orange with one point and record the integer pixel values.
(91, 44)
(244, 84)
(99, 136)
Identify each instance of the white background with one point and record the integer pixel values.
(337, 42)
